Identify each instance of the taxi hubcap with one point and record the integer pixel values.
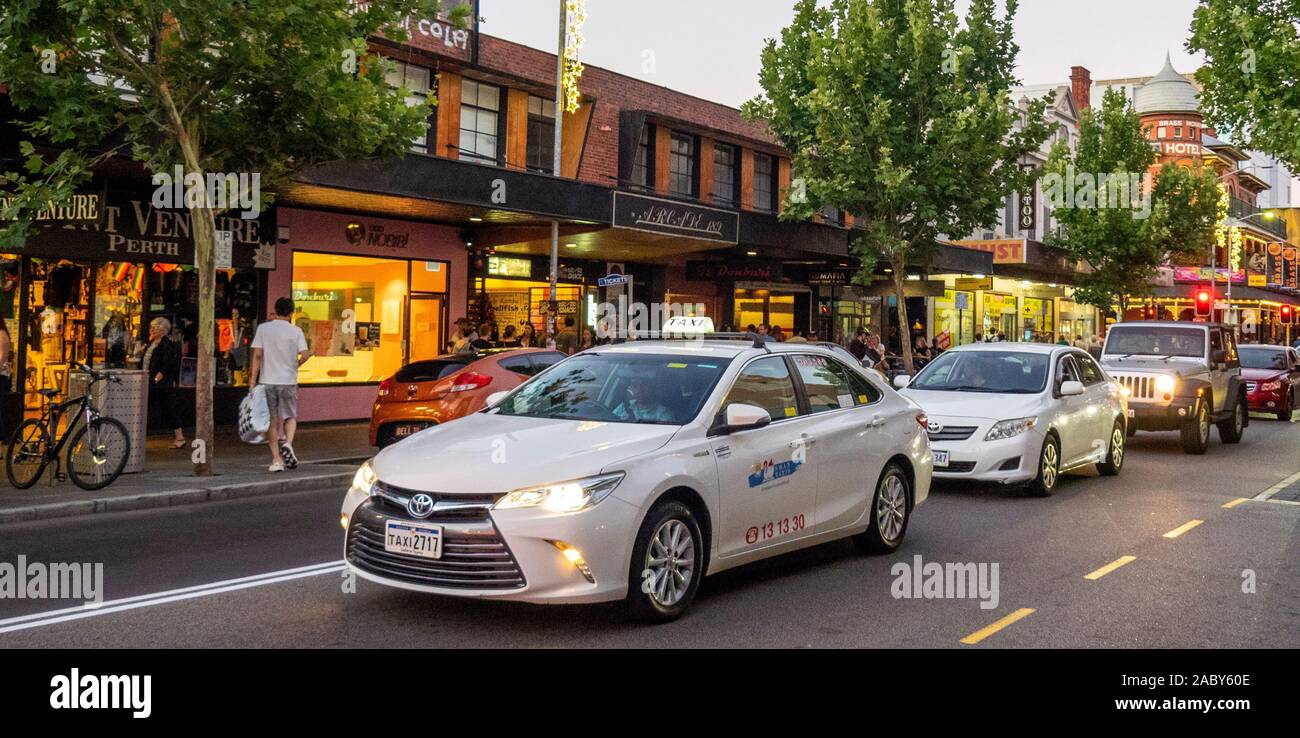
(1049, 466)
(671, 561)
(891, 508)
(1117, 447)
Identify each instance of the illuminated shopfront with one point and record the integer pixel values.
(954, 318)
(1037, 320)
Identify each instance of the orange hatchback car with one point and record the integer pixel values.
(433, 391)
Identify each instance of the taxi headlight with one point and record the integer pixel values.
(563, 497)
(364, 480)
(1009, 428)
(1165, 383)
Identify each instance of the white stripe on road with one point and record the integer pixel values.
(1266, 494)
(90, 610)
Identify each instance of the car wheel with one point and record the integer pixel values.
(1049, 469)
(667, 563)
(890, 513)
(1231, 430)
(1115, 453)
(1196, 432)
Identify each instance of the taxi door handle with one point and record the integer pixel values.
(876, 421)
(803, 440)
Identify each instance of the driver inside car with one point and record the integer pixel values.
(641, 405)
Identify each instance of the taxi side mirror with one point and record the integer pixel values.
(1071, 388)
(496, 397)
(741, 416)
(901, 381)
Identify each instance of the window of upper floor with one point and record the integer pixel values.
(480, 122)
(765, 168)
(683, 177)
(726, 174)
(416, 80)
(541, 135)
(643, 165)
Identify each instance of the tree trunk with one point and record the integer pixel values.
(204, 227)
(904, 324)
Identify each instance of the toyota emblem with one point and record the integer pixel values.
(934, 427)
(420, 506)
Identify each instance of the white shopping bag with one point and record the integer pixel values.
(254, 416)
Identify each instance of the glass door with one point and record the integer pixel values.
(426, 326)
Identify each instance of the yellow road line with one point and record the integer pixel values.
(989, 630)
(1234, 503)
(1108, 568)
(1183, 528)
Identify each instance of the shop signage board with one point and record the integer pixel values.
(972, 284)
(509, 266)
(1202, 274)
(672, 218)
(1004, 250)
(832, 277)
(122, 226)
(721, 271)
(613, 279)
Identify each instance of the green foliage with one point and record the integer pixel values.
(898, 112)
(1124, 227)
(254, 86)
(1252, 48)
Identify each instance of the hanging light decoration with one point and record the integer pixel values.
(1221, 224)
(576, 15)
(1234, 247)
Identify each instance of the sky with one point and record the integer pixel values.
(710, 48)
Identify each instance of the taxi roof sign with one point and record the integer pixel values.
(687, 325)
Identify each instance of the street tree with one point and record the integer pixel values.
(261, 87)
(1119, 219)
(899, 113)
(1248, 82)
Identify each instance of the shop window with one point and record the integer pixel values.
(352, 311)
(416, 82)
(726, 185)
(764, 183)
(118, 311)
(541, 135)
(643, 166)
(480, 120)
(172, 292)
(681, 166)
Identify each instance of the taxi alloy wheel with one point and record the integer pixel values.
(1115, 454)
(890, 510)
(1049, 469)
(667, 563)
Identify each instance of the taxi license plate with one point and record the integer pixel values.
(413, 539)
(940, 458)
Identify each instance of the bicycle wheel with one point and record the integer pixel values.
(97, 453)
(25, 458)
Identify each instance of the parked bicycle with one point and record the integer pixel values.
(98, 446)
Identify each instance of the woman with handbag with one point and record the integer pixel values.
(163, 362)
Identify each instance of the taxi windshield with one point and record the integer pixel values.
(1010, 372)
(619, 388)
(1156, 341)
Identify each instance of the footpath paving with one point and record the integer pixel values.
(328, 456)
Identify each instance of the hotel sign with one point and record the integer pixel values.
(672, 218)
(1005, 251)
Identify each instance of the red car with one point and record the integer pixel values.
(433, 391)
(1271, 374)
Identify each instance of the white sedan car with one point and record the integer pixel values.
(631, 471)
(1020, 413)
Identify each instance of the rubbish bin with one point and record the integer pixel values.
(127, 402)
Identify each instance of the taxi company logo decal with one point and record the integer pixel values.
(768, 470)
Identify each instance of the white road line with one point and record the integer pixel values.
(1266, 494)
(90, 610)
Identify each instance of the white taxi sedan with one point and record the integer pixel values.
(1020, 413)
(631, 471)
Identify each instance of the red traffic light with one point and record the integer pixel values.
(1204, 301)
(1287, 315)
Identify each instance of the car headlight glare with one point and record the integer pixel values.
(563, 497)
(1165, 383)
(364, 480)
(1009, 428)
(1273, 386)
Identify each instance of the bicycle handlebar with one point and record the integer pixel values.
(96, 376)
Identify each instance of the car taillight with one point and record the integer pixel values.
(385, 387)
(923, 421)
(469, 381)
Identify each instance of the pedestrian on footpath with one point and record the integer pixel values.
(162, 361)
(279, 348)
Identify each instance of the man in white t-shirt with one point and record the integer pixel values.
(279, 348)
